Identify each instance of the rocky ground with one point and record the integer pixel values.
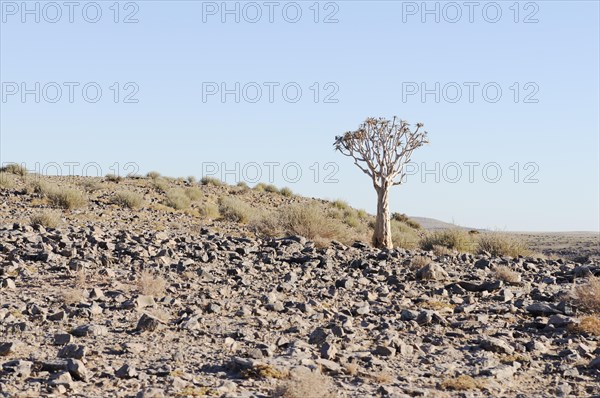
(106, 305)
(87, 312)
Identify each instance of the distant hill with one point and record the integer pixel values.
(431, 224)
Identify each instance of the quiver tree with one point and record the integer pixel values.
(381, 148)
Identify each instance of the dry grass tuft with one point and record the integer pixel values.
(263, 371)
(304, 220)
(419, 262)
(211, 181)
(129, 199)
(304, 385)
(46, 219)
(153, 175)
(586, 296)
(113, 178)
(14, 168)
(403, 235)
(403, 218)
(91, 186)
(461, 383)
(209, 210)
(588, 325)
(351, 368)
(7, 181)
(501, 245)
(287, 192)
(454, 239)
(177, 199)
(235, 210)
(150, 284)
(72, 296)
(67, 198)
(193, 193)
(506, 274)
(442, 251)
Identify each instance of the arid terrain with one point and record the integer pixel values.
(161, 287)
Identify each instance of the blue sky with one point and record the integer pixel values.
(541, 132)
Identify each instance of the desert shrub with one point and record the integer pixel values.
(455, 239)
(160, 184)
(91, 186)
(418, 262)
(66, 198)
(128, 199)
(235, 210)
(14, 168)
(6, 180)
(351, 219)
(305, 220)
(260, 187)
(501, 245)
(177, 199)
(403, 235)
(193, 193)
(586, 296)
(191, 179)
(153, 175)
(209, 210)
(589, 325)
(306, 384)
(506, 274)
(461, 383)
(271, 188)
(41, 187)
(441, 251)
(46, 219)
(151, 284)
(243, 185)
(286, 192)
(403, 218)
(362, 214)
(341, 204)
(113, 178)
(211, 181)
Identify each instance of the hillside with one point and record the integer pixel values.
(189, 290)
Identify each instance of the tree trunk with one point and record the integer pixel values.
(382, 237)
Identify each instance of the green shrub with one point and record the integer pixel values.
(66, 198)
(193, 193)
(211, 181)
(46, 219)
(235, 210)
(177, 199)
(113, 178)
(129, 199)
(153, 175)
(406, 220)
(501, 245)
(455, 239)
(6, 180)
(14, 168)
(286, 192)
